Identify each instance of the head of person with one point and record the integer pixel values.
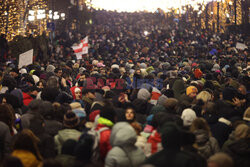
(204, 96)
(220, 160)
(89, 93)
(200, 124)
(78, 93)
(191, 91)
(41, 84)
(130, 114)
(26, 140)
(58, 72)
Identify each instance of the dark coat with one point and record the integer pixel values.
(240, 151)
(220, 130)
(171, 158)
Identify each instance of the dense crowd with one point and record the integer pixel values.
(152, 91)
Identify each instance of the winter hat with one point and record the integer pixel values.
(100, 65)
(188, 116)
(115, 66)
(36, 78)
(108, 112)
(77, 89)
(143, 66)
(198, 73)
(171, 135)
(191, 89)
(23, 71)
(216, 67)
(143, 94)
(80, 112)
(150, 119)
(81, 70)
(170, 105)
(50, 68)
(162, 99)
(71, 120)
(157, 108)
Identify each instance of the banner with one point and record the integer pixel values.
(81, 48)
(241, 46)
(26, 58)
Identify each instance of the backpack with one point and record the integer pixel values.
(96, 145)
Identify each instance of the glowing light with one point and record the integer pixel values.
(145, 33)
(31, 18)
(63, 16)
(142, 5)
(41, 14)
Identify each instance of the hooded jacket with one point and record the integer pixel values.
(206, 145)
(104, 136)
(124, 152)
(240, 151)
(64, 135)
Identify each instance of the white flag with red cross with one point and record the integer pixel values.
(81, 48)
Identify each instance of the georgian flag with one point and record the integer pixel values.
(81, 48)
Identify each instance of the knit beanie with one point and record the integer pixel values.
(198, 73)
(50, 68)
(191, 89)
(143, 94)
(71, 120)
(188, 116)
(108, 112)
(162, 99)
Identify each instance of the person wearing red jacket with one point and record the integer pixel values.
(106, 120)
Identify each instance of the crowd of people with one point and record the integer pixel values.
(150, 92)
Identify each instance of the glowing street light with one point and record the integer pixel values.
(145, 33)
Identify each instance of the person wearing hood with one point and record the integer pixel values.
(71, 122)
(240, 132)
(171, 155)
(178, 88)
(124, 152)
(205, 143)
(239, 150)
(26, 149)
(88, 96)
(105, 123)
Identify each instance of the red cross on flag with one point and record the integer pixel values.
(81, 48)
